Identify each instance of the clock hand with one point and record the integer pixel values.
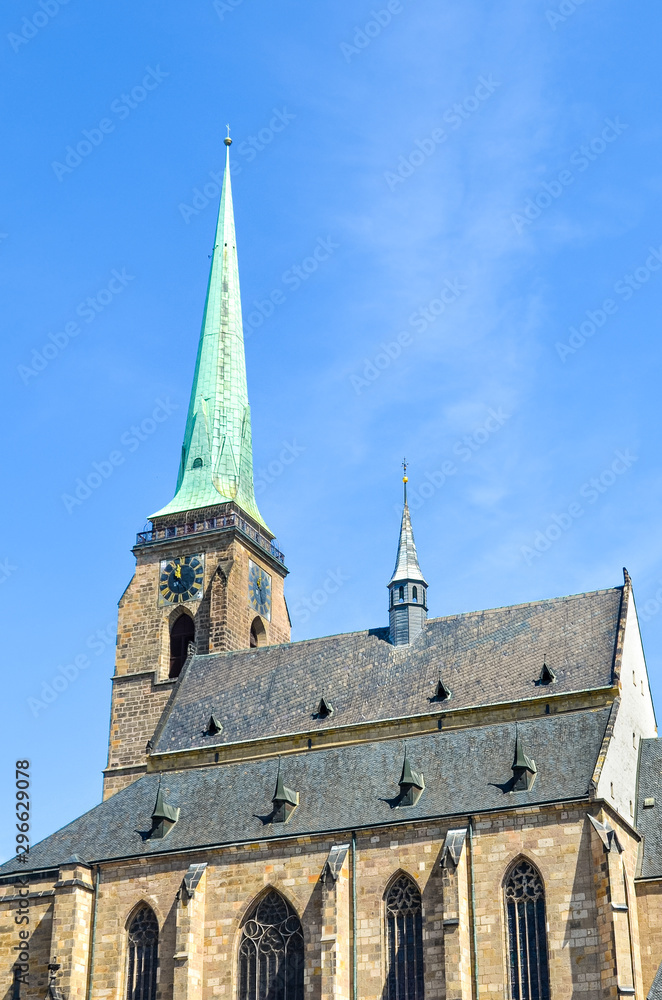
(178, 571)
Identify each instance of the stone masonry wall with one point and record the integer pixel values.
(649, 907)
(222, 617)
(556, 839)
(40, 929)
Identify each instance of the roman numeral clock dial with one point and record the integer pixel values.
(181, 579)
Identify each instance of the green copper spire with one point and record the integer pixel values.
(217, 455)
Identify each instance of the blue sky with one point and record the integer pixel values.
(484, 179)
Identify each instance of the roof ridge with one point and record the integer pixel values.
(430, 621)
(528, 604)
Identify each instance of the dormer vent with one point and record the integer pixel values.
(164, 817)
(524, 768)
(213, 726)
(441, 692)
(411, 784)
(547, 675)
(285, 801)
(324, 709)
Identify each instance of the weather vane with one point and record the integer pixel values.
(405, 478)
(228, 140)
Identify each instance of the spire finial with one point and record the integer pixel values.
(228, 140)
(407, 586)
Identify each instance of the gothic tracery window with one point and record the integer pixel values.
(404, 941)
(271, 952)
(143, 955)
(527, 933)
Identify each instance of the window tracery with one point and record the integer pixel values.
(527, 933)
(404, 941)
(271, 954)
(143, 955)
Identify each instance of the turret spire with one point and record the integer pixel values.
(217, 456)
(407, 587)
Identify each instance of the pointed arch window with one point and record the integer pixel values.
(404, 941)
(143, 955)
(271, 952)
(527, 933)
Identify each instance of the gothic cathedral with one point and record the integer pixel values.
(444, 808)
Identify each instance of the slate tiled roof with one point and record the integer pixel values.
(649, 820)
(484, 657)
(655, 992)
(340, 789)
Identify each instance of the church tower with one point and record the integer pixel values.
(407, 587)
(209, 575)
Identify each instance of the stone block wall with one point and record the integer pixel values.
(649, 909)
(557, 839)
(223, 618)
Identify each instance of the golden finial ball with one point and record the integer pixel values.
(405, 479)
(227, 140)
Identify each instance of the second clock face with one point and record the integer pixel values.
(259, 589)
(181, 579)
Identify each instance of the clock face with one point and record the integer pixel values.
(181, 579)
(259, 589)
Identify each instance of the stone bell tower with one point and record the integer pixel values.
(209, 575)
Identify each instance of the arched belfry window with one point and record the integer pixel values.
(401, 593)
(271, 952)
(404, 941)
(258, 636)
(414, 595)
(527, 933)
(143, 955)
(181, 634)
